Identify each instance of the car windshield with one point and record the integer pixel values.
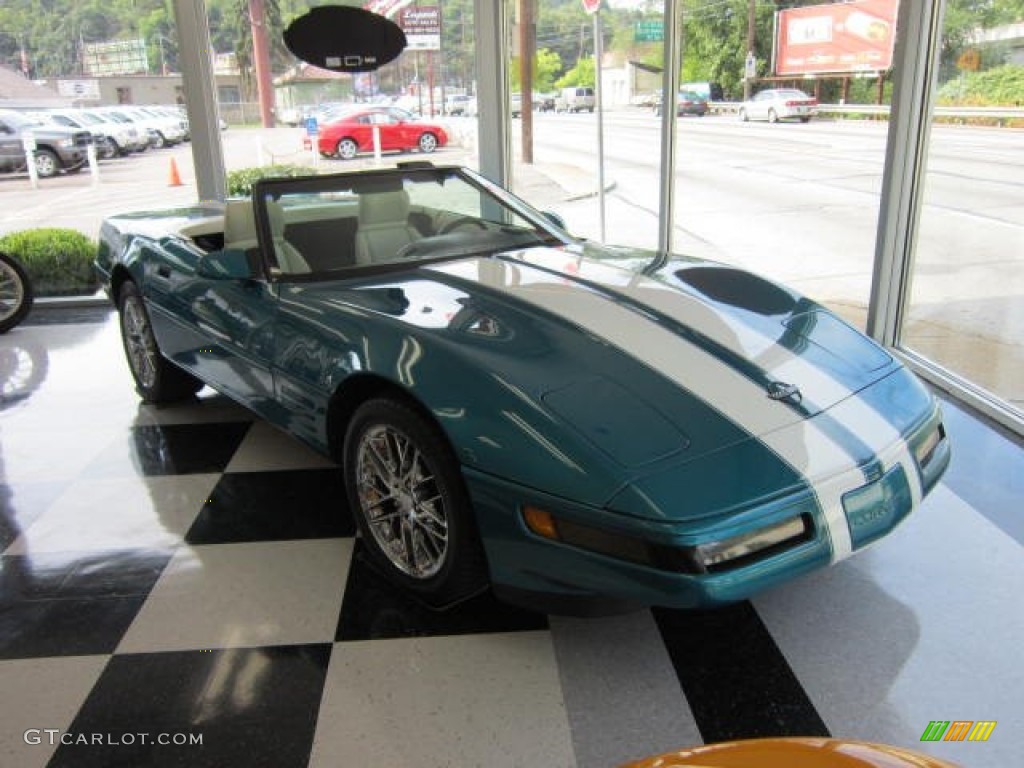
(319, 226)
(17, 120)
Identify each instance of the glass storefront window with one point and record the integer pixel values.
(786, 191)
(965, 310)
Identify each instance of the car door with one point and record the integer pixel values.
(762, 102)
(219, 328)
(390, 130)
(12, 153)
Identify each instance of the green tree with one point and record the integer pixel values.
(581, 74)
(546, 66)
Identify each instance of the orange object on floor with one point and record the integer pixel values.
(175, 177)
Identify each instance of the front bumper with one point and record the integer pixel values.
(565, 577)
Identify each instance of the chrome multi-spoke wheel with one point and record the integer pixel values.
(347, 149)
(406, 492)
(139, 344)
(404, 510)
(156, 379)
(428, 142)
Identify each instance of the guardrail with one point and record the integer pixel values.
(882, 110)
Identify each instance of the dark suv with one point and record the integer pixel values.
(57, 148)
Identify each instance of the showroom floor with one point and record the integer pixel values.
(183, 572)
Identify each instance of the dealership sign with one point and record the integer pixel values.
(842, 37)
(422, 27)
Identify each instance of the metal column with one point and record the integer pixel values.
(200, 98)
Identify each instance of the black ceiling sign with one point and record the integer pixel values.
(344, 39)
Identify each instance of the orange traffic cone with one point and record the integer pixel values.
(175, 177)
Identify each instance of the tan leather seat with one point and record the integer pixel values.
(240, 234)
(384, 227)
(289, 260)
(239, 225)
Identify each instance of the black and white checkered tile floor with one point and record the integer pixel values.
(174, 574)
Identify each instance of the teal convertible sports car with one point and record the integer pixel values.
(580, 427)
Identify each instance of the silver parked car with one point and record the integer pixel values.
(779, 104)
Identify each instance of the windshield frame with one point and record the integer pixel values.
(265, 190)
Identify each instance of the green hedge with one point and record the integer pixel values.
(998, 87)
(59, 261)
(240, 182)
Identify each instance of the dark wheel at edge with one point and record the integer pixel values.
(16, 294)
(406, 493)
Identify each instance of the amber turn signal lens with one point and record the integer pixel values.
(540, 522)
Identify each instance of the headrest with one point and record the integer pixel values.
(275, 215)
(239, 221)
(384, 207)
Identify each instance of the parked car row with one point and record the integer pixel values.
(62, 135)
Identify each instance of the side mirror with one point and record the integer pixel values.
(555, 219)
(225, 265)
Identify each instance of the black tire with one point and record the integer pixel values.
(805, 119)
(772, 116)
(743, 115)
(407, 495)
(47, 163)
(427, 143)
(157, 380)
(106, 148)
(16, 294)
(347, 149)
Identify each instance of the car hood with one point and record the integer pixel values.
(720, 334)
(602, 371)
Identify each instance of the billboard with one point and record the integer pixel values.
(422, 27)
(117, 57)
(842, 37)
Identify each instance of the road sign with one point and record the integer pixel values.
(591, 6)
(750, 66)
(651, 31)
(312, 129)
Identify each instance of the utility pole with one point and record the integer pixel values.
(526, 39)
(751, 28)
(261, 61)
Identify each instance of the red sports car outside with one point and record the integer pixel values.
(352, 133)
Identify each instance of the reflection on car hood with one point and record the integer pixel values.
(721, 333)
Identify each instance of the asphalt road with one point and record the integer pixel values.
(801, 201)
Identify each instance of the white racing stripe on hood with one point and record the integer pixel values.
(800, 443)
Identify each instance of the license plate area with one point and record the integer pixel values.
(876, 508)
